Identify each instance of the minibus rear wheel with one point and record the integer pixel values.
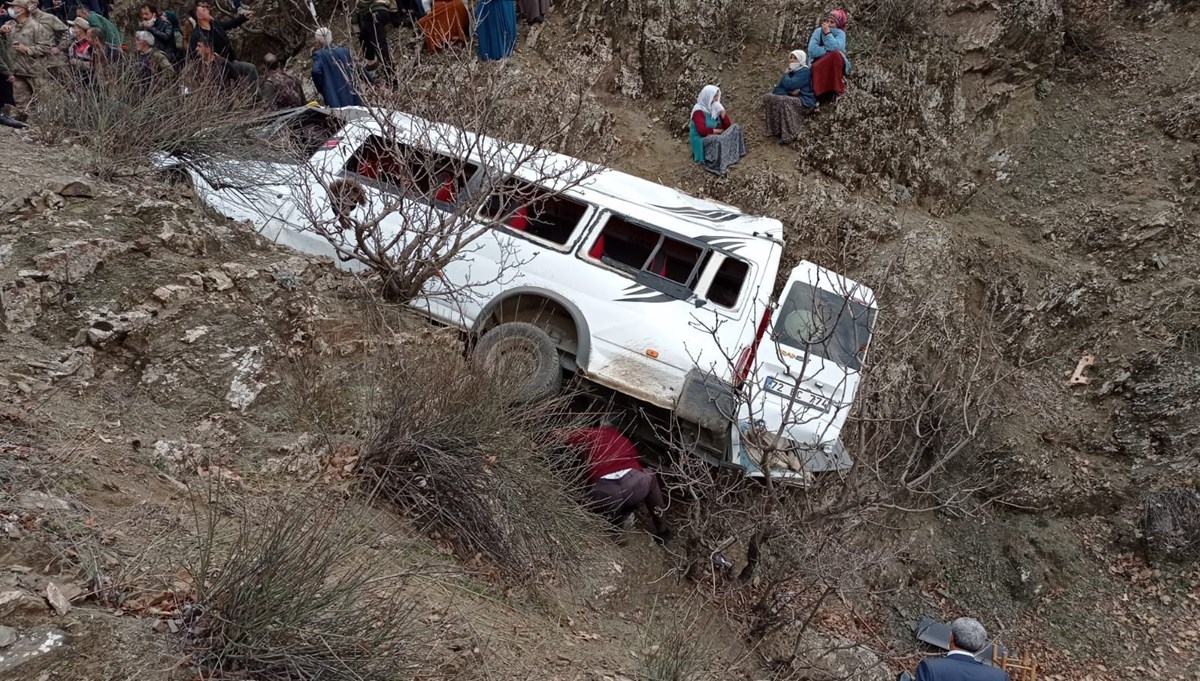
(525, 355)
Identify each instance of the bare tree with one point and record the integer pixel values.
(807, 537)
(121, 118)
(455, 151)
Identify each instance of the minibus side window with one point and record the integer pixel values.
(533, 211)
(726, 287)
(630, 246)
(434, 177)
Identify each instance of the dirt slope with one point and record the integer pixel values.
(190, 383)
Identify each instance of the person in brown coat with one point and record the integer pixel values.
(447, 23)
(280, 89)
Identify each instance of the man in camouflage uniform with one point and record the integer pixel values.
(62, 38)
(33, 58)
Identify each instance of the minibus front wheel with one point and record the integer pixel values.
(524, 355)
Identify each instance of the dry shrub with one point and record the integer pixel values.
(1171, 524)
(451, 450)
(1181, 119)
(1086, 27)
(121, 121)
(893, 22)
(296, 596)
(672, 647)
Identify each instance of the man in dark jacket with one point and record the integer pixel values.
(215, 31)
(64, 11)
(210, 69)
(374, 19)
(619, 484)
(967, 637)
(160, 27)
(7, 101)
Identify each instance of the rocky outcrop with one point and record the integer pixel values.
(1159, 418)
(32, 650)
(23, 299)
(71, 263)
(923, 106)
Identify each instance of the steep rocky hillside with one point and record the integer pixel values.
(1016, 181)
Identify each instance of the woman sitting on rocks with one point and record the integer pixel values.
(790, 100)
(827, 49)
(717, 142)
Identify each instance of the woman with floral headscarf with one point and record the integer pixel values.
(790, 100)
(716, 141)
(827, 49)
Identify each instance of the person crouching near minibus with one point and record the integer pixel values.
(618, 482)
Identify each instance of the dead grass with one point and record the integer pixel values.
(1086, 28)
(450, 450)
(119, 121)
(439, 441)
(294, 592)
(895, 21)
(673, 648)
(1170, 523)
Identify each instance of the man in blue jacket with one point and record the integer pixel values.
(967, 637)
(333, 71)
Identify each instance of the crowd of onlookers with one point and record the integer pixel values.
(75, 43)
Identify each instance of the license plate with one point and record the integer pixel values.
(803, 397)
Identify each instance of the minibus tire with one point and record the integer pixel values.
(545, 379)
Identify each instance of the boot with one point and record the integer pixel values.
(11, 122)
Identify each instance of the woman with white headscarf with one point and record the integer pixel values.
(717, 142)
(790, 100)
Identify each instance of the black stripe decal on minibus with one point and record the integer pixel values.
(714, 215)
